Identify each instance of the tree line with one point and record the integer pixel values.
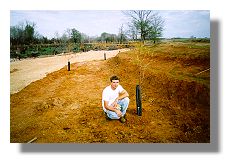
(143, 25)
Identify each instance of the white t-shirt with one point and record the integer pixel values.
(110, 95)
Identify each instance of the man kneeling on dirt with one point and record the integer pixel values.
(115, 100)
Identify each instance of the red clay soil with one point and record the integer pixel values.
(65, 106)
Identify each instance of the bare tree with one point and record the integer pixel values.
(121, 35)
(57, 36)
(146, 22)
(132, 32)
(156, 28)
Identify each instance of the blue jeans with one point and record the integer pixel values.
(124, 105)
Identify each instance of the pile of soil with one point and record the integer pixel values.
(65, 106)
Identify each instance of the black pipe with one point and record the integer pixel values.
(68, 65)
(104, 56)
(138, 101)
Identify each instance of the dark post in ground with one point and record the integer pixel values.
(138, 101)
(104, 56)
(68, 65)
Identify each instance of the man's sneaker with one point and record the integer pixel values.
(122, 120)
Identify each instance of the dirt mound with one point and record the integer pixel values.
(183, 103)
(65, 106)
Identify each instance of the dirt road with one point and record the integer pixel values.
(26, 71)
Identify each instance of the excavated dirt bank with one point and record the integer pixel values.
(65, 106)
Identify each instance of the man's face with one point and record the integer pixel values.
(114, 84)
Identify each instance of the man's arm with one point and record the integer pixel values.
(122, 95)
(112, 108)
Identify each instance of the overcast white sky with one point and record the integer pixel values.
(94, 22)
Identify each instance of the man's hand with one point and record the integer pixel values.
(113, 107)
(119, 113)
(114, 104)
